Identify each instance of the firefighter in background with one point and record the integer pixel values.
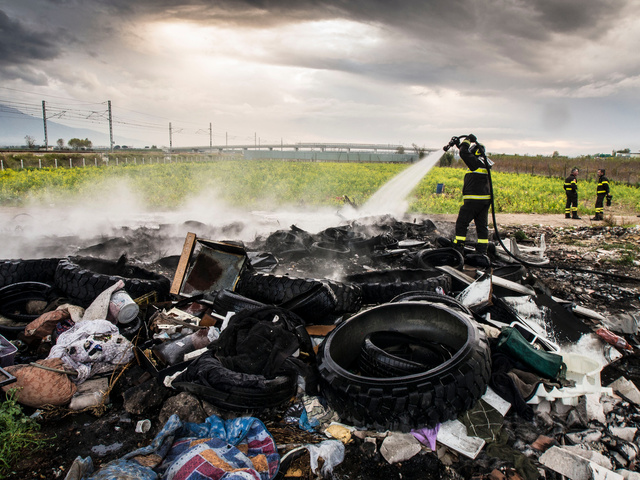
(476, 195)
(571, 189)
(602, 191)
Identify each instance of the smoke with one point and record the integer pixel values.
(112, 209)
(112, 212)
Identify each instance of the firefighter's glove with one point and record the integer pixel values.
(454, 141)
(472, 138)
(609, 197)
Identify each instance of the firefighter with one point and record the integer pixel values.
(602, 191)
(476, 195)
(571, 189)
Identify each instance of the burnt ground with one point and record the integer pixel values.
(108, 434)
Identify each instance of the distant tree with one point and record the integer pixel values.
(420, 151)
(624, 150)
(446, 159)
(29, 141)
(77, 143)
(400, 149)
(60, 143)
(555, 154)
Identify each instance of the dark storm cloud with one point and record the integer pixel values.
(422, 18)
(514, 38)
(21, 45)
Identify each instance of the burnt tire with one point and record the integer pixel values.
(348, 296)
(514, 273)
(227, 301)
(14, 299)
(238, 391)
(83, 279)
(436, 257)
(280, 289)
(410, 401)
(432, 297)
(39, 270)
(395, 354)
(383, 286)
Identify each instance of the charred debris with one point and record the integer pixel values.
(368, 348)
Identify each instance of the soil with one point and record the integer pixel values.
(608, 247)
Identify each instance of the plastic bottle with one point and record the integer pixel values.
(172, 352)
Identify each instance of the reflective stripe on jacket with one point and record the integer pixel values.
(571, 184)
(603, 186)
(476, 180)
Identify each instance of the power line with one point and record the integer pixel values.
(79, 117)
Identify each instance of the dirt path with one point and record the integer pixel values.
(550, 220)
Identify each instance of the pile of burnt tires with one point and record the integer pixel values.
(404, 365)
(77, 280)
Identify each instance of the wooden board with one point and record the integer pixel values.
(189, 243)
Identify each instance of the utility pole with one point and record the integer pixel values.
(110, 127)
(210, 138)
(44, 119)
(170, 140)
(226, 139)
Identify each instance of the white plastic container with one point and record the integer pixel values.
(122, 308)
(585, 371)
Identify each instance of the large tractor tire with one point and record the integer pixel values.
(415, 400)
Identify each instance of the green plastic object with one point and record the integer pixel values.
(548, 364)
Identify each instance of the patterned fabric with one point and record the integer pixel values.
(238, 449)
(38, 387)
(92, 347)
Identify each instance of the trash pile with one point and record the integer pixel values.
(371, 349)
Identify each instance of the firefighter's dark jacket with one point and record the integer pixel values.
(571, 185)
(603, 186)
(476, 180)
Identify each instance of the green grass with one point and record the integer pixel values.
(18, 433)
(265, 184)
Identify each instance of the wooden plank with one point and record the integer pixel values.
(189, 243)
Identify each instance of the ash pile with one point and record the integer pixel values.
(367, 350)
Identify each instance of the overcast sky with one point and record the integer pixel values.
(525, 76)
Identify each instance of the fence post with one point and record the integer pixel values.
(70, 164)
(117, 161)
(96, 160)
(40, 163)
(2, 164)
(84, 164)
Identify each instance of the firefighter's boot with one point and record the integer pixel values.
(567, 215)
(574, 216)
(459, 246)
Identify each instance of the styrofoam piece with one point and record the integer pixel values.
(568, 396)
(584, 370)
